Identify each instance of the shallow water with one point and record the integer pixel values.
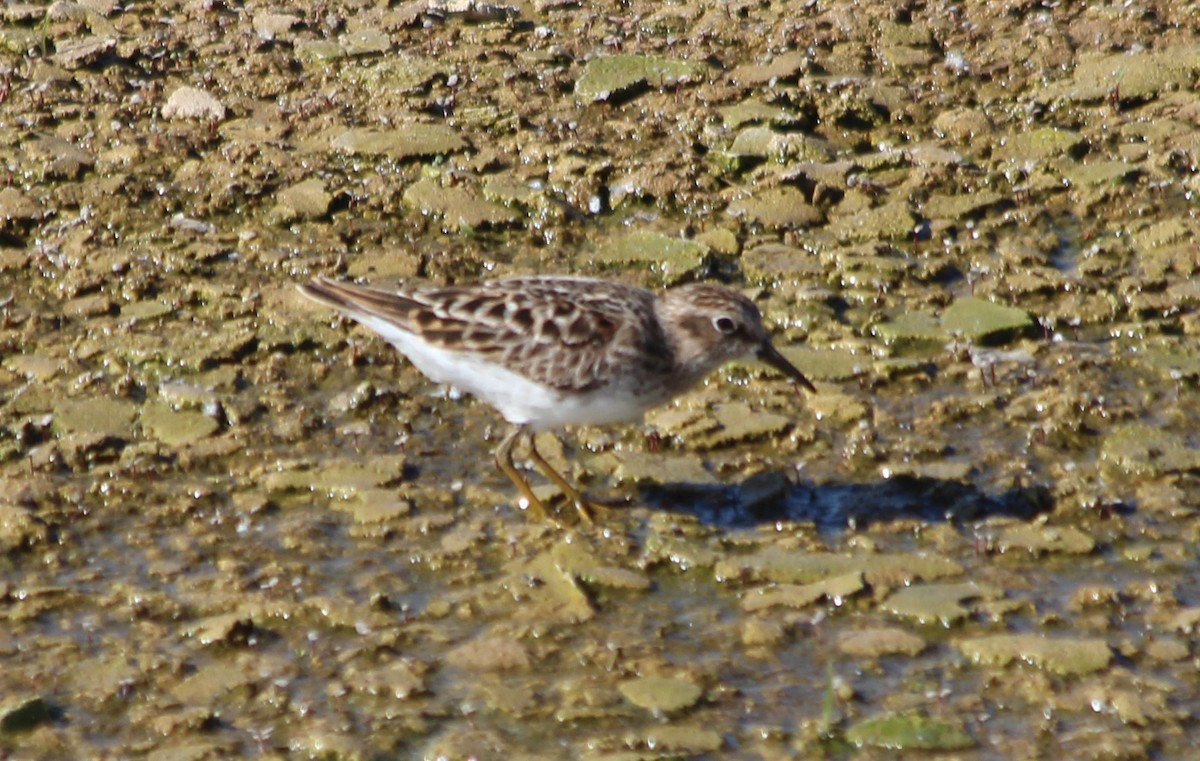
(231, 525)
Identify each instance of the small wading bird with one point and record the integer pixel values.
(554, 351)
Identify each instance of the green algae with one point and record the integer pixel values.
(613, 75)
(673, 259)
(1145, 450)
(1131, 77)
(836, 589)
(880, 641)
(976, 320)
(573, 559)
(779, 67)
(1175, 363)
(937, 603)
(738, 423)
(686, 468)
(1099, 173)
(749, 112)
(779, 565)
(1066, 656)
(959, 205)
(176, 427)
(462, 207)
(910, 732)
(826, 364)
(1037, 539)
(404, 141)
(890, 221)
(374, 506)
(340, 477)
(777, 207)
(661, 694)
(690, 738)
(912, 331)
(774, 263)
(985, 322)
(95, 416)
(1039, 144)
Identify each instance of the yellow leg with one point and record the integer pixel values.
(505, 463)
(570, 492)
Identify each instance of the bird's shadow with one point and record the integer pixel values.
(771, 498)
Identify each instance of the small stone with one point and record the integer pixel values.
(891, 221)
(762, 632)
(98, 415)
(1168, 649)
(268, 26)
(779, 207)
(688, 740)
(59, 156)
(877, 642)
(781, 147)
(661, 694)
(305, 200)
(15, 206)
(462, 206)
(96, 305)
(177, 427)
(192, 103)
(490, 653)
(89, 50)
(779, 68)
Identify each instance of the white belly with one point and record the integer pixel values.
(519, 400)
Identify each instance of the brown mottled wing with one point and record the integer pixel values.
(567, 333)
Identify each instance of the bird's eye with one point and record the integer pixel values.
(725, 325)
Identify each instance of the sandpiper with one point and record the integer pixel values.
(553, 351)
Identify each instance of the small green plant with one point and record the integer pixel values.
(45, 30)
(829, 704)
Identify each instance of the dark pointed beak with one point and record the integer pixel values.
(769, 354)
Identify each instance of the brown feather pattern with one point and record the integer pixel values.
(548, 329)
